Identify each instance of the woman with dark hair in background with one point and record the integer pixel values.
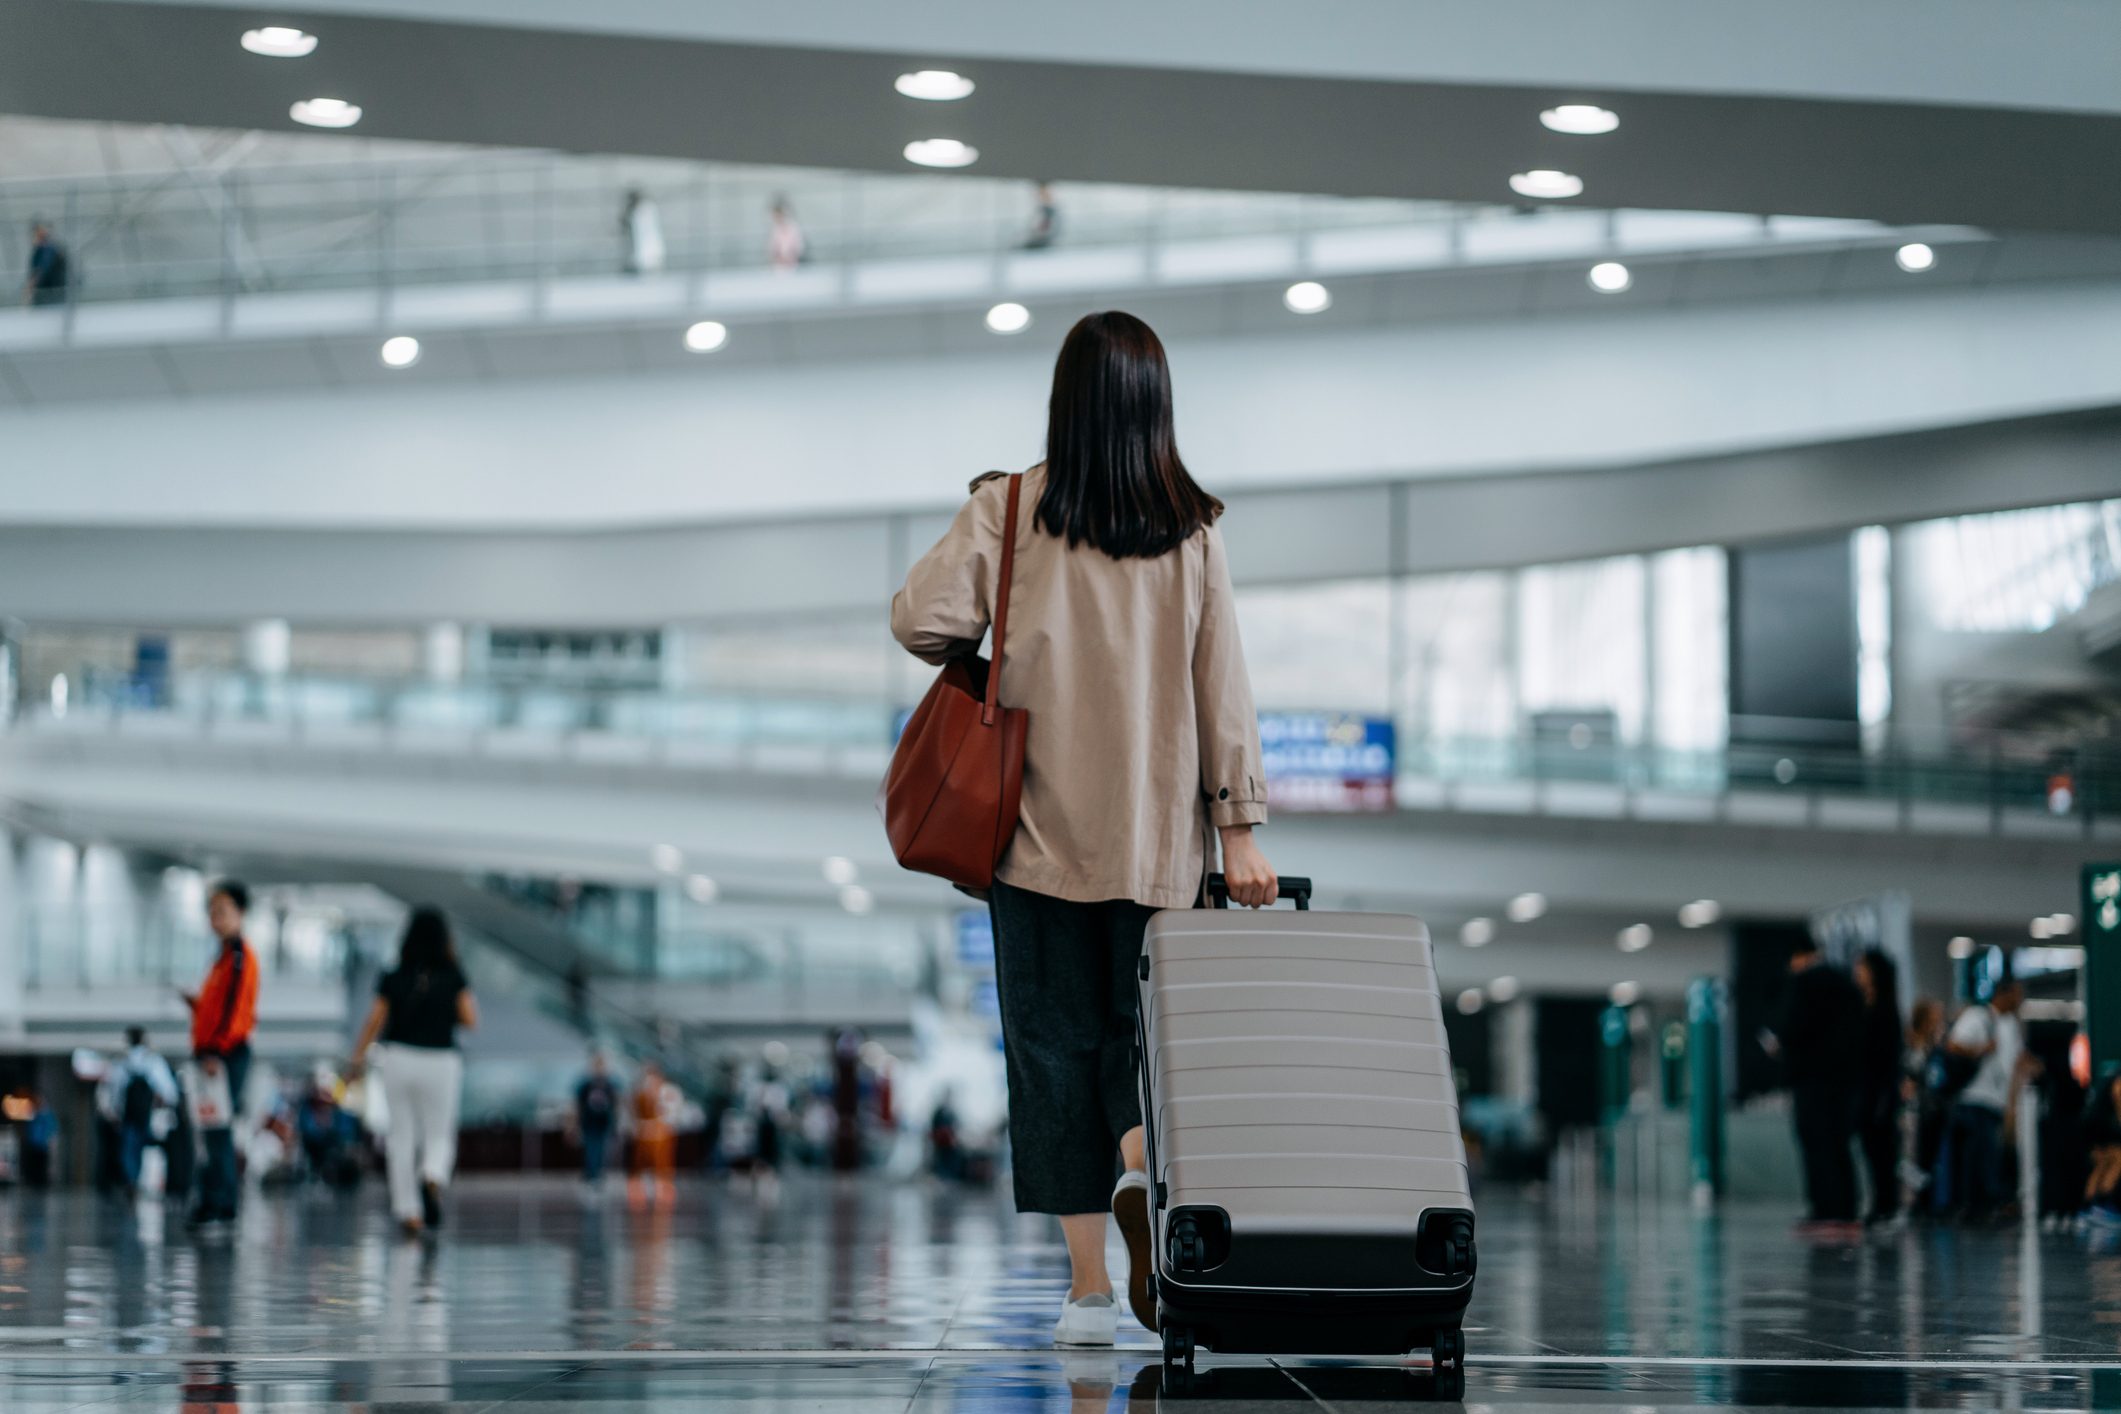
(1882, 1083)
(1142, 747)
(420, 1006)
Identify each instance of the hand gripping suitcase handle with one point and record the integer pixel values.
(1293, 886)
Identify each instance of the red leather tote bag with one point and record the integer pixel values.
(951, 796)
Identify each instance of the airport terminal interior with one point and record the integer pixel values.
(457, 461)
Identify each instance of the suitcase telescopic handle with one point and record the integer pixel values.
(1293, 886)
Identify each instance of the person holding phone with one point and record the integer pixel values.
(224, 1012)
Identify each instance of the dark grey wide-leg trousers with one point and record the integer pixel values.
(1066, 975)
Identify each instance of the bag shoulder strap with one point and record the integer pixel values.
(1001, 603)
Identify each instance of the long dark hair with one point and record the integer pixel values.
(426, 947)
(1113, 477)
(1885, 985)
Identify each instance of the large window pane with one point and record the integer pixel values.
(1319, 646)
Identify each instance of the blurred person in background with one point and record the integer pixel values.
(786, 246)
(2102, 1140)
(1882, 1091)
(641, 223)
(1991, 1037)
(1925, 1036)
(1821, 1042)
(421, 1005)
(137, 1085)
(1142, 746)
(653, 1178)
(596, 1115)
(224, 1012)
(1045, 218)
(50, 271)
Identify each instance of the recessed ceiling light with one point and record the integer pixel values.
(1008, 318)
(934, 85)
(1307, 297)
(1634, 938)
(1477, 932)
(706, 336)
(1502, 989)
(1582, 119)
(839, 869)
(1526, 907)
(1546, 184)
(1623, 994)
(1470, 1001)
(856, 899)
(402, 351)
(279, 42)
(701, 889)
(667, 857)
(1915, 257)
(1959, 949)
(1610, 277)
(941, 152)
(1700, 913)
(325, 113)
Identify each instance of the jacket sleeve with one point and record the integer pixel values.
(1231, 775)
(942, 611)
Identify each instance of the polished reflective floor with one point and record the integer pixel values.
(873, 1296)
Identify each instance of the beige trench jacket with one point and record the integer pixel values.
(1142, 729)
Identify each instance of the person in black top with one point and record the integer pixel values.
(1883, 1081)
(420, 1006)
(48, 268)
(1821, 1043)
(596, 1114)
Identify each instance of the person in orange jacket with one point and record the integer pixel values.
(223, 1015)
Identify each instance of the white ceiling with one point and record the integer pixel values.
(1865, 110)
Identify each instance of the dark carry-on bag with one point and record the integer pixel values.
(1308, 1179)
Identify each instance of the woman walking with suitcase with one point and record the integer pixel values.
(1142, 749)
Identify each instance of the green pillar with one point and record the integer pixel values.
(1671, 1071)
(1704, 1051)
(2102, 964)
(1616, 1063)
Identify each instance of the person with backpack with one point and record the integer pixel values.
(137, 1084)
(1988, 1042)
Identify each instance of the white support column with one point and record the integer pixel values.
(268, 647)
(442, 652)
(13, 941)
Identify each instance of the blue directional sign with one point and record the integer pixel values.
(1328, 761)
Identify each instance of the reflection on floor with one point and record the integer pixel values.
(868, 1296)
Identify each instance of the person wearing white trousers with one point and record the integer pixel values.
(421, 1005)
(421, 1086)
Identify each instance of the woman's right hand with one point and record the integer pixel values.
(1250, 878)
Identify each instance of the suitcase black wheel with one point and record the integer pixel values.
(1178, 1360)
(1447, 1351)
(1188, 1248)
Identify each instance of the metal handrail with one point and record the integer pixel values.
(541, 216)
(1996, 770)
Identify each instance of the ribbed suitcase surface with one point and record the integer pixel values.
(1298, 1072)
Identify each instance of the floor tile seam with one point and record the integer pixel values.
(577, 1360)
(530, 1389)
(1309, 1393)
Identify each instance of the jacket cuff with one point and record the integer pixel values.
(1237, 812)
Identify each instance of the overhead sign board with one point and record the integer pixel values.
(1328, 761)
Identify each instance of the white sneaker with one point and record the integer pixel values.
(1130, 1205)
(1094, 1320)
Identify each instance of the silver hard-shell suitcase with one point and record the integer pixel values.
(1308, 1179)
